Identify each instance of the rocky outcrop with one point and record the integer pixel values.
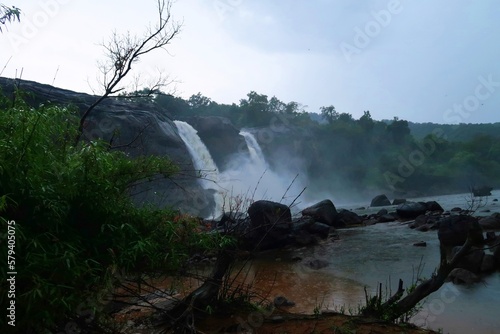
(453, 230)
(380, 200)
(496, 256)
(463, 276)
(319, 229)
(136, 128)
(411, 210)
(491, 223)
(270, 224)
(482, 191)
(323, 212)
(386, 218)
(489, 264)
(398, 201)
(472, 261)
(220, 136)
(425, 223)
(347, 218)
(433, 206)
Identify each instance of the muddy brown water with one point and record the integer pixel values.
(363, 258)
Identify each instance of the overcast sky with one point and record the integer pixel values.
(423, 61)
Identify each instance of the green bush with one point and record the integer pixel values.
(76, 226)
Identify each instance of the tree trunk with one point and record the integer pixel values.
(433, 284)
(396, 307)
(205, 295)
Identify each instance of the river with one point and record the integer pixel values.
(382, 253)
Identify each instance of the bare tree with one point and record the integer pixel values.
(8, 14)
(123, 50)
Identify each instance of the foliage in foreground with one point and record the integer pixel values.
(76, 227)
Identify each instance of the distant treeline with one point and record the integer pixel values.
(361, 155)
(456, 132)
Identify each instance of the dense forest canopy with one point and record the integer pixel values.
(362, 155)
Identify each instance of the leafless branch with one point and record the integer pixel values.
(122, 51)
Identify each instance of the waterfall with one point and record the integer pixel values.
(248, 175)
(256, 154)
(202, 161)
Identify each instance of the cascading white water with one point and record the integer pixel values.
(253, 146)
(249, 175)
(202, 161)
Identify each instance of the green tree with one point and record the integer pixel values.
(76, 225)
(172, 104)
(255, 110)
(198, 101)
(345, 117)
(398, 130)
(366, 121)
(329, 114)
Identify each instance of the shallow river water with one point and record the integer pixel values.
(383, 253)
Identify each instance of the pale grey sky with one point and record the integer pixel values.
(424, 61)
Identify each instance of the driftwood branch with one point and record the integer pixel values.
(397, 306)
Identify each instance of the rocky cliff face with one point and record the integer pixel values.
(221, 137)
(137, 128)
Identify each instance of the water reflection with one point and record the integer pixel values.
(382, 253)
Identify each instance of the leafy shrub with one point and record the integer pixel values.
(76, 227)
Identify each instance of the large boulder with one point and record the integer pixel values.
(320, 229)
(398, 201)
(303, 238)
(471, 261)
(345, 218)
(425, 223)
(411, 210)
(482, 191)
(489, 264)
(491, 223)
(463, 276)
(323, 212)
(433, 206)
(389, 217)
(380, 200)
(221, 137)
(307, 231)
(270, 224)
(496, 256)
(454, 230)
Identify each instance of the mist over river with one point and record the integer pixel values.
(382, 253)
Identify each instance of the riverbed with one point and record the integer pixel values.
(383, 253)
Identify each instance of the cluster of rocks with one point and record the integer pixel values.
(270, 225)
(484, 257)
(453, 228)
